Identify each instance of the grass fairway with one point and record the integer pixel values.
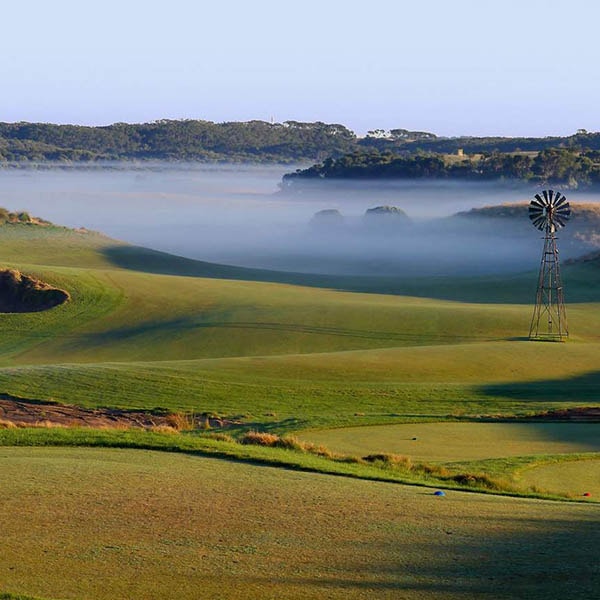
(582, 476)
(289, 353)
(463, 441)
(285, 356)
(324, 390)
(496, 449)
(282, 356)
(117, 524)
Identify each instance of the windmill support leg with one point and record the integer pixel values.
(549, 320)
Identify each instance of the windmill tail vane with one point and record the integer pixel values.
(549, 211)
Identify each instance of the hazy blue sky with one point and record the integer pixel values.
(511, 67)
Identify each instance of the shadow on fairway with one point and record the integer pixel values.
(511, 289)
(187, 325)
(551, 559)
(578, 389)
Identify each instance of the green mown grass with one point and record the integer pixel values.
(532, 456)
(311, 357)
(91, 299)
(169, 318)
(566, 477)
(8, 596)
(352, 388)
(567, 474)
(497, 476)
(462, 441)
(54, 246)
(122, 315)
(102, 523)
(290, 456)
(209, 517)
(278, 356)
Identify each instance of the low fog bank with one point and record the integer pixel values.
(237, 215)
(442, 246)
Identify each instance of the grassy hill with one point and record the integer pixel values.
(285, 353)
(137, 315)
(215, 528)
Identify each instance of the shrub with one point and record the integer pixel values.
(322, 451)
(478, 480)
(47, 424)
(180, 421)
(434, 470)
(390, 460)
(163, 429)
(272, 440)
(288, 442)
(259, 438)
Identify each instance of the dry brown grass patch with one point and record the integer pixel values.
(390, 460)
(47, 424)
(258, 438)
(288, 442)
(480, 480)
(164, 429)
(179, 422)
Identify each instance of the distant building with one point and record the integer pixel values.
(460, 152)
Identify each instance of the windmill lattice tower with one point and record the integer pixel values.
(549, 212)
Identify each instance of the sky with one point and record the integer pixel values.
(466, 67)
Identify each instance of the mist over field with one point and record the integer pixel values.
(237, 215)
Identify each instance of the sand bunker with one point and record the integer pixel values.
(20, 293)
(20, 412)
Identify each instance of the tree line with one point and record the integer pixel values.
(250, 141)
(556, 165)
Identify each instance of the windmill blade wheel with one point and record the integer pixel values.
(549, 210)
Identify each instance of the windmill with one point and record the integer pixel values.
(548, 212)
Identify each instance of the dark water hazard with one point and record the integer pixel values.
(236, 215)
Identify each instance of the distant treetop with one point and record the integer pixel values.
(249, 141)
(566, 167)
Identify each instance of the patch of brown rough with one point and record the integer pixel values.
(587, 414)
(20, 293)
(21, 412)
(578, 413)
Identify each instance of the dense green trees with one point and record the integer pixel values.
(402, 141)
(568, 167)
(259, 141)
(181, 140)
